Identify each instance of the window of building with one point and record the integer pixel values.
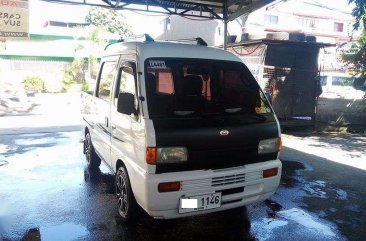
(308, 22)
(338, 27)
(106, 80)
(64, 24)
(57, 24)
(271, 19)
(77, 25)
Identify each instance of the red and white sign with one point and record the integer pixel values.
(14, 19)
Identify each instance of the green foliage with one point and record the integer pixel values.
(84, 87)
(74, 74)
(355, 57)
(93, 65)
(109, 20)
(67, 82)
(34, 84)
(359, 12)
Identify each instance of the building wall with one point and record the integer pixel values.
(50, 71)
(45, 55)
(180, 28)
(309, 17)
(329, 25)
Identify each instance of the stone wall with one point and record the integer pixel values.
(338, 112)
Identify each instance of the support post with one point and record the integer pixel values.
(225, 18)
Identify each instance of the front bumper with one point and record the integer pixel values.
(239, 186)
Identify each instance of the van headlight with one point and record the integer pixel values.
(172, 155)
(269, 145)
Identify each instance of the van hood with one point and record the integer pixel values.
(207, 148)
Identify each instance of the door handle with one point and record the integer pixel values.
(106, 121)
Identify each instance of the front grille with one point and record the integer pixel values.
(227, 180)
(220, 181)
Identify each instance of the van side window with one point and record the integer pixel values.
(342, 81)
(127, 82)
(323, 80)
(106, 80)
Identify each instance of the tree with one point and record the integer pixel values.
(355, 57)
(109, 20)
(359, 12)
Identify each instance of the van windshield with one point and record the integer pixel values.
(184, 87)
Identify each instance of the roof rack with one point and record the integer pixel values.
(144, 37)
(198, 40)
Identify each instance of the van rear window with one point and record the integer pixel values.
(183, 87)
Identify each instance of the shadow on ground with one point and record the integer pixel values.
(231, 225)
(332, 191)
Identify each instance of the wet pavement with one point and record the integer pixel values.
(46, 193)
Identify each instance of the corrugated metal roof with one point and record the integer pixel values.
(205, 9)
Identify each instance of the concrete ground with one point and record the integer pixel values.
(46, 193)
(50, 113)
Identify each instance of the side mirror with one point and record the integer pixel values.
(126, 103)
(359, 83)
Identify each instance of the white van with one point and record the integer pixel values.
(185, 129)
(339, 85)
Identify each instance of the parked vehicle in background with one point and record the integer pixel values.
(185, 128)
(339, 85)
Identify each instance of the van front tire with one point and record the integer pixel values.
(92, 157)
(126, 201)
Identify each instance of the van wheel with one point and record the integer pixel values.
(91, 156)
(126, 201)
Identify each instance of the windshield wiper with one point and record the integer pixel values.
(183, 112)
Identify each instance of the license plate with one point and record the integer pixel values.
(207, 201)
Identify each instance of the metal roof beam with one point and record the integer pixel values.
(246, 10)
(213, 13)
(71, 2)
(213, 9)
(108, 2)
